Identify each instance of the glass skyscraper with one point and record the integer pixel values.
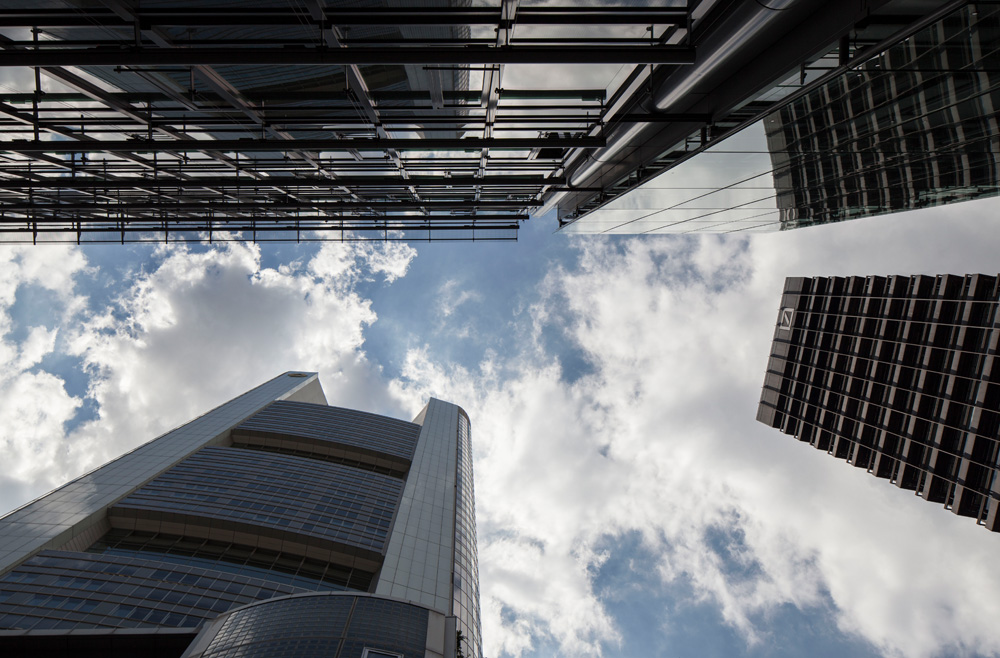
(898, 376)
(899, 114)
(273, 525)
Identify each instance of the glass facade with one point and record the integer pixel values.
(913, 127)
(320, 626)
(344, 427)
(300, 495)
(403, 104)
(910, 126)
(72, 590)
(466, 577)
(276, 566)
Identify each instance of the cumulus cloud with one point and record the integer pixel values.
(186, 331)
(658, 440)
(34, 404)
(193, 331)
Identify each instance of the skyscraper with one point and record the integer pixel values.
(893, 113)
(898, 376)
(271, 525)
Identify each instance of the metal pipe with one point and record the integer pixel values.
(729, 44)
(724, 46)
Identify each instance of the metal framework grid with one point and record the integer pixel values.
(271, 121)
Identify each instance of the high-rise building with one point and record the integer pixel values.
(897, 375)
(273, 525)
(895, 112)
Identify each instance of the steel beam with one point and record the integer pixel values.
(131, 56)
(277, 97)
(285, 16)
(231, 182)
(313, 145)
(249, 205)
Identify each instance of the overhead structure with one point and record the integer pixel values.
(177, 120)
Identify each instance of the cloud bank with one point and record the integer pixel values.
(182, 335)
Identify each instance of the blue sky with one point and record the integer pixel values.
(628, 503)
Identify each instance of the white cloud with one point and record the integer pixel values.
(452, 295)
(193, 332)
(197, 328)
(660, 439)
(40, 341)
(34, 405)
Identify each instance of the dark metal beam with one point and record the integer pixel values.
(272, 97)
(250, 205)
(293, 227)
(345, 56)
(360, 223)
(97, 215)
(284, 16)
(313, 145)
(231, 182)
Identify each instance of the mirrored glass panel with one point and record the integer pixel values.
(912, 127)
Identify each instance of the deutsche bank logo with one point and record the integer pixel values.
(786, 319)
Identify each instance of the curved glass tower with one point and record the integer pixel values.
(272, 525)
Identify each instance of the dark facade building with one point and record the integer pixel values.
(274, 525)
(897, 375)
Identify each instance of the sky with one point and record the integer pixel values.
(627, 501)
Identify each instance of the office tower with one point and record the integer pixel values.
(898, 376)
(174, 120)
(894, 113)
(273, 525)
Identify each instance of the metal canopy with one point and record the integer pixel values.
(301, 120)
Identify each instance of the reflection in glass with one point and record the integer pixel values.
(912, 127)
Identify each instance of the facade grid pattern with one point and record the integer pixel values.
(466, 577)
(207, 530)
(72, 590)
(898, 376)
(304, 496)
(281, 567)
(337, 626)
(73, 508)
(913, 127)
(341, 426)
(284, 121)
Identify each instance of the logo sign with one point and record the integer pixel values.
(786, 318)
